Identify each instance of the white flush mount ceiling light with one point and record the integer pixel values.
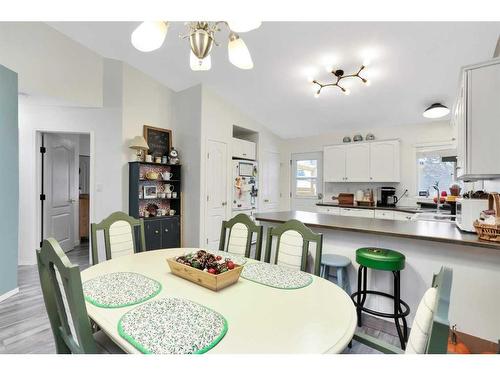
(149, 36)
(437, 110)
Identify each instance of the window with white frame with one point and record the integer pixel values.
(306, 178)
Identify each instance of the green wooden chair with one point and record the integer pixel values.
(119, 236)
(292, 247)
(239, 241)
(429, 334)
(63, 296)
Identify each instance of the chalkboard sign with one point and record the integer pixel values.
(159, 140)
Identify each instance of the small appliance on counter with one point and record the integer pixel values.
(468, 211)
(387, 196)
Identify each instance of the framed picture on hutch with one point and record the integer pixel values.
(159, 140)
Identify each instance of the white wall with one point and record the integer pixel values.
(218, 117)
(410, 135)
(106, 187)
(144, 102)
(50, 65)
(187, 139)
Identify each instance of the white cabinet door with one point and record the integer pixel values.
(483, 114)
(334, 163)
(328, 210)
(384, 161)
(404, 216)
(357, 162)
(270, 181)
(384, 214)
(357, 212)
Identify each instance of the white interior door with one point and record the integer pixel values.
(61, 189)
(307, 182)
(216, 182)
(269, 183)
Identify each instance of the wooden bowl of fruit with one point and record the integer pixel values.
(208, 270)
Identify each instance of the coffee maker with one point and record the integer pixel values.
(387, 196)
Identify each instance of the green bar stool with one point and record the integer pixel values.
(341, 263)
(382, 260)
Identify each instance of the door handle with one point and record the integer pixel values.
(71, 200)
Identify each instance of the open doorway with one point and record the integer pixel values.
(64, 183)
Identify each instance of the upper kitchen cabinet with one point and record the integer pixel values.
(334, 158)
(376, 161)
(384, 161)
(357, 162)
(476, 118)
(243, 149)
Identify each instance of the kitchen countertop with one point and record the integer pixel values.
(423, 230)
(413, 210)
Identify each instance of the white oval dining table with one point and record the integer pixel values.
(319, 318)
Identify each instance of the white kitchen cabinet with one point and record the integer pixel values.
(269, 181)
(384, 161)
(334, 163)
(328, 210)
(384, 214)
(357, 212)
(476, 117)
(244, 149)
(376, 161)
(403, 216)
(357, 163)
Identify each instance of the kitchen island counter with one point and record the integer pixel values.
(424, 230)
(427, 246)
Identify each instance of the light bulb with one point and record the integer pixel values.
(242, 26)
(238, 52)
(199, 65)
(346, 92)
(436, 110)
(316, 94)
(149, 35)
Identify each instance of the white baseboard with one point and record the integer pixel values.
(4, 296)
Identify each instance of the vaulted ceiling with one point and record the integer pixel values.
(411, 65)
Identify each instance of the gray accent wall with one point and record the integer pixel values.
(9, 186)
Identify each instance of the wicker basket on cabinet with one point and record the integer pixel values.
(490, 232)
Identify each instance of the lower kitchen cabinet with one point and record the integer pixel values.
(162, 232)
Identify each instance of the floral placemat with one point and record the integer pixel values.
(172, 326)
(120, 289)
(276, 276)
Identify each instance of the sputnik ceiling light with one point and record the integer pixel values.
(149, 36)
(339, 75)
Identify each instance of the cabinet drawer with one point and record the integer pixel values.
(328, 210)
(356, 212)
(402, 216)
(384, 214)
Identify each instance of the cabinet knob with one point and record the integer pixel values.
(157, 231)
(166, 230)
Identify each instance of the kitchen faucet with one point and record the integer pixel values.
(436, 187)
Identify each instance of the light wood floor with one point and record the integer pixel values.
(25, 328)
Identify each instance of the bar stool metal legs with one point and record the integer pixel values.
(400, 311)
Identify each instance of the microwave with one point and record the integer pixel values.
(468, 211)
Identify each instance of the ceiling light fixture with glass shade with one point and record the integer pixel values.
(149, 36)
(437, 110)
(339, 75)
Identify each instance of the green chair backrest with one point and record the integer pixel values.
(106, 226)
(63, 297)
(440, 327)
(235, 226)
(307, 236)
